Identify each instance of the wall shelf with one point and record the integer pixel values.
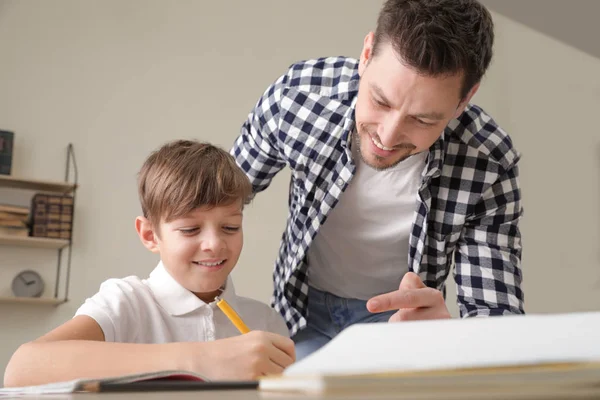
(30, 184)
(68, 187)
(47, 301)
(45, 243)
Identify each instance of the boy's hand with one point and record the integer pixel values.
(246, 356)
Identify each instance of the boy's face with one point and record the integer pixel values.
(200, 249)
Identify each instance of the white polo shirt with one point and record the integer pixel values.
(160, 310)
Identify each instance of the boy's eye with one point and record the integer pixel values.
(189, 231)
(231, 228)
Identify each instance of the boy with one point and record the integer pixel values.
(192, 195)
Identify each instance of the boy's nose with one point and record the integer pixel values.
(212, 242)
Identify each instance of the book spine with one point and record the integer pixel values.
(51, 216)
(6, 151)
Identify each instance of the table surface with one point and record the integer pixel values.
(258, 395)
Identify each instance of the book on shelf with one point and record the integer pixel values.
(51, 215)
(13, 231)
(13, 221)
(12, 216)
(6, 151)
(12, 209)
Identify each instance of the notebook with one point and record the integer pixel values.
(520, 355)
(168, 380)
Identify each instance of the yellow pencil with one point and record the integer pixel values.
(232, 315)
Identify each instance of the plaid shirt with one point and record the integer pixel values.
(469, 202)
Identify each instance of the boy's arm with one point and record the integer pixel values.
(77, 349)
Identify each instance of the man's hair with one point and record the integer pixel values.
(184, 175)
(438, 37)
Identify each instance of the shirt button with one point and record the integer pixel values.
(340, 182)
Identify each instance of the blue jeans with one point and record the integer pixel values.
(328, 315)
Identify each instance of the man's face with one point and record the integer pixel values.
(398, 111)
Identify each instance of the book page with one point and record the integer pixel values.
(514, 340)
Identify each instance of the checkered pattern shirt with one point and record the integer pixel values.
(468, 207)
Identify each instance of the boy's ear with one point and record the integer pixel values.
(147, 234)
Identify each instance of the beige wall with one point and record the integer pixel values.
(118, 78)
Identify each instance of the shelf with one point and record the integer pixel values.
(8, 181)
(49, 301)
(46, 243)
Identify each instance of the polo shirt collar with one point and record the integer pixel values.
(177, 300)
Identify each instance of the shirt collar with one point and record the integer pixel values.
(435, 158)
(177, 300)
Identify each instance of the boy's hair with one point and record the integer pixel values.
(184, 175)
(439, 37)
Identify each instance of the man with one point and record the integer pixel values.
(395, 176)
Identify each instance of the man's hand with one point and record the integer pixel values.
(413, 300)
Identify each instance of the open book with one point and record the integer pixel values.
(512, 356)
(160, 380)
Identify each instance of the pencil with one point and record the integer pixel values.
(232, 315)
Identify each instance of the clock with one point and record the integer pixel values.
(28, 284)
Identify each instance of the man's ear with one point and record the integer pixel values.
(463, 104)
(148, 236)
(366, 52)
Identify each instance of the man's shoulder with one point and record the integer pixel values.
(475, 133)
(327, 76)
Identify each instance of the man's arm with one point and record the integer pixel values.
(257, 150)
(487, 264)
(488, 255)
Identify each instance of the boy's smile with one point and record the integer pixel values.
(211, 264)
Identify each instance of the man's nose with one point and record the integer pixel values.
(391, 130)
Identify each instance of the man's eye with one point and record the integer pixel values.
(420, 121)
(380, 103)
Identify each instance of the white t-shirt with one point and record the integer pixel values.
(160, 310)
(362, 248)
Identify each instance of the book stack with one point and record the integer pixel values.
(51, 215)
(13, 221)
(535, 356)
